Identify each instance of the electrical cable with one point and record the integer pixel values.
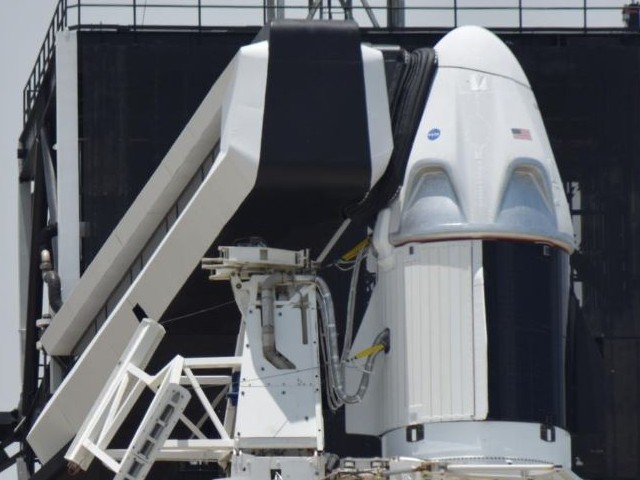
(351, 302)
(198, 312)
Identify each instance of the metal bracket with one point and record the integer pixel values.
(547, 432)
(415, 433)
(245, 261)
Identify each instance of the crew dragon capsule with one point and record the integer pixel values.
(472, 262)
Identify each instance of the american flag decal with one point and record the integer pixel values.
(521, 133)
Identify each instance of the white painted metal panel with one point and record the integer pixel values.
(431, 297)
(133, 231)
(439, 330)
(364, 417)
(480, 342)
(61, 419)
(134, 460)
(68, 157)
(395, 394)
(250, 467)
(378, 117)
(226, 186)
(281, 408)
(487, 440)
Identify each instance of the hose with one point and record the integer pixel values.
(336, 394)
(351, 304)
(52, 279)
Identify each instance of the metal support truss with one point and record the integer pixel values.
(173, 387)
(348, 10)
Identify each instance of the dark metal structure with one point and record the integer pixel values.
(139, 85)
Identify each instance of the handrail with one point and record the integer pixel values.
(135, 14)
(41, 66)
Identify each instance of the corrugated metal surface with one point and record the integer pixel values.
(433, 335)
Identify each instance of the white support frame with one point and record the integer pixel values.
(99, 429)
(68, 157)
(297, 416)
(226, 185)
(124, 389)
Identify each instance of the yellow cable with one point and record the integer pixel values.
(367, 352)
(353, 253)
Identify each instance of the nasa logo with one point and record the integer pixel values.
(433, 134)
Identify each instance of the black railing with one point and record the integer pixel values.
(40, 68)
(211, 13)
(201, 14)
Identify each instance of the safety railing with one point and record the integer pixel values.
(45, 54)
(519, 15)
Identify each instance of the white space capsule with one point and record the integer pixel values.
(473, 274)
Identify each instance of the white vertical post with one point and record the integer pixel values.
(67, 146)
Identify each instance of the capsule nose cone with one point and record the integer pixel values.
(476, 48)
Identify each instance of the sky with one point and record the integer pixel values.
(22, 27)
(23, 24)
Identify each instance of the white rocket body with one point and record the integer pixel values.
(481, 170)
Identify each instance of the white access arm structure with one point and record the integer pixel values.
(267, 408)
(231, 115)
(226, 185)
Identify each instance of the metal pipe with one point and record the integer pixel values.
(270, 10)
(455, 13)
(49, 177)
(395, 14)
(584, 14)
(382, 338)
(52, 279)
(347, 7)
(370, 14)
(520, 14)
(269, 350)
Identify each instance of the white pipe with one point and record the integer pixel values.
(52, 279)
